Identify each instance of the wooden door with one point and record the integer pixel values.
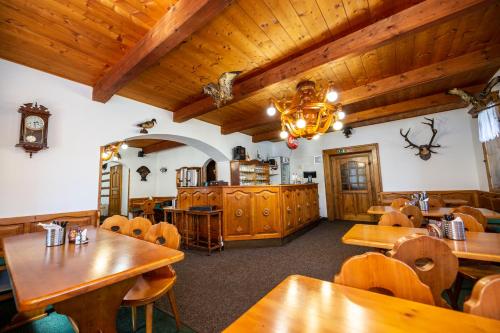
(115, 190)
(353, 186)
(288, 210)
(266, 219)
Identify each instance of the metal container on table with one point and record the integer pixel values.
(455, 229)
(55, 236)
(424, 205)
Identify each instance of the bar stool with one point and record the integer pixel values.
(193, 217)
(178, 217)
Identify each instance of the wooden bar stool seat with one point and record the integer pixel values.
(395, 219)
(139, 227)
(485, 298)
(399, 202)
(432, 260)
(152, 285)
(117, 223)
(414, 214)
(375, 272)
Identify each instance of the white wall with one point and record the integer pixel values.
(65, 177)
(458, 164)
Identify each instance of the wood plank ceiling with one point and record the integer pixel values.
(407, 74)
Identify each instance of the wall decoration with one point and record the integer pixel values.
(424, 151)
(223, 91)
(144, 172)
(347, 131)
(485, 107)
(163, 169)
(147, 125)
(34, 127)
(485, 99)
(292, 142)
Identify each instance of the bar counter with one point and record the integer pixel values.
(257, 212)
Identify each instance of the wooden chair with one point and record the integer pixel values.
(432, 260)
(470, 223)
(153, 285)
(399, 202)
(436, 202)
(117, 223)
(378, 273)
(485, 298)
(476, 213)
(148, 210)
(139, 226)
(396, 219)
(471, 269)
(414, 214)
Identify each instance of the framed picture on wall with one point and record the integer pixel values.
(492, 158)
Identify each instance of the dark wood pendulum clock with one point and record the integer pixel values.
(34, 127)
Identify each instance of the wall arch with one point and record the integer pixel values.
(206, 148)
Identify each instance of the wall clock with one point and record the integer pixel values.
(34, 127)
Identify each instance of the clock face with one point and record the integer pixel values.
(34, 123)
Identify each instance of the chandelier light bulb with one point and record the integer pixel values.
(301, 123)
(341, 115)
(283, 134)
(124, 146)
(271, 111)
(105, 154)
(316, 136)
(332, 96)
(337, 126)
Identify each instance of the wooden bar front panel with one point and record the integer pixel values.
(256, 212)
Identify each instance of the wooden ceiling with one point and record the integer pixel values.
(388, 59)
(149, 146)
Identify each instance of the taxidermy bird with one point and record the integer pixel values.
(223, 91)
(480, 101)
(147, 125)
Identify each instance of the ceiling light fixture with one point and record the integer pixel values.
(271, 111)
(309, 112)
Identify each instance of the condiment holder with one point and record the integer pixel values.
(56, 233)
(78, 236)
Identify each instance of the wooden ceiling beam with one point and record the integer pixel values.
(414, 18)
(402, 110)
(488, 57)
(183, 19)
(163, 145)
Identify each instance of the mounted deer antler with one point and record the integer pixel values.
(424, 151)
(481, 101)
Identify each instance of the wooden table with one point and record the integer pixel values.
(432, 212)
(303, 304)
(86, 282)
(478, 245)
(447, 202)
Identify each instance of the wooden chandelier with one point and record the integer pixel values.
(310, 112)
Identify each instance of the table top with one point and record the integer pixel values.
(432, 212)
(451, 202)
(304, 304)
(46, 275)
(478, 245)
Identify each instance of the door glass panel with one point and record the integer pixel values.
(353, 176)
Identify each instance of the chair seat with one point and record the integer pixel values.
(148, 289)
(478, 271)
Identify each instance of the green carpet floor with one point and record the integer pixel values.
(54, 322)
